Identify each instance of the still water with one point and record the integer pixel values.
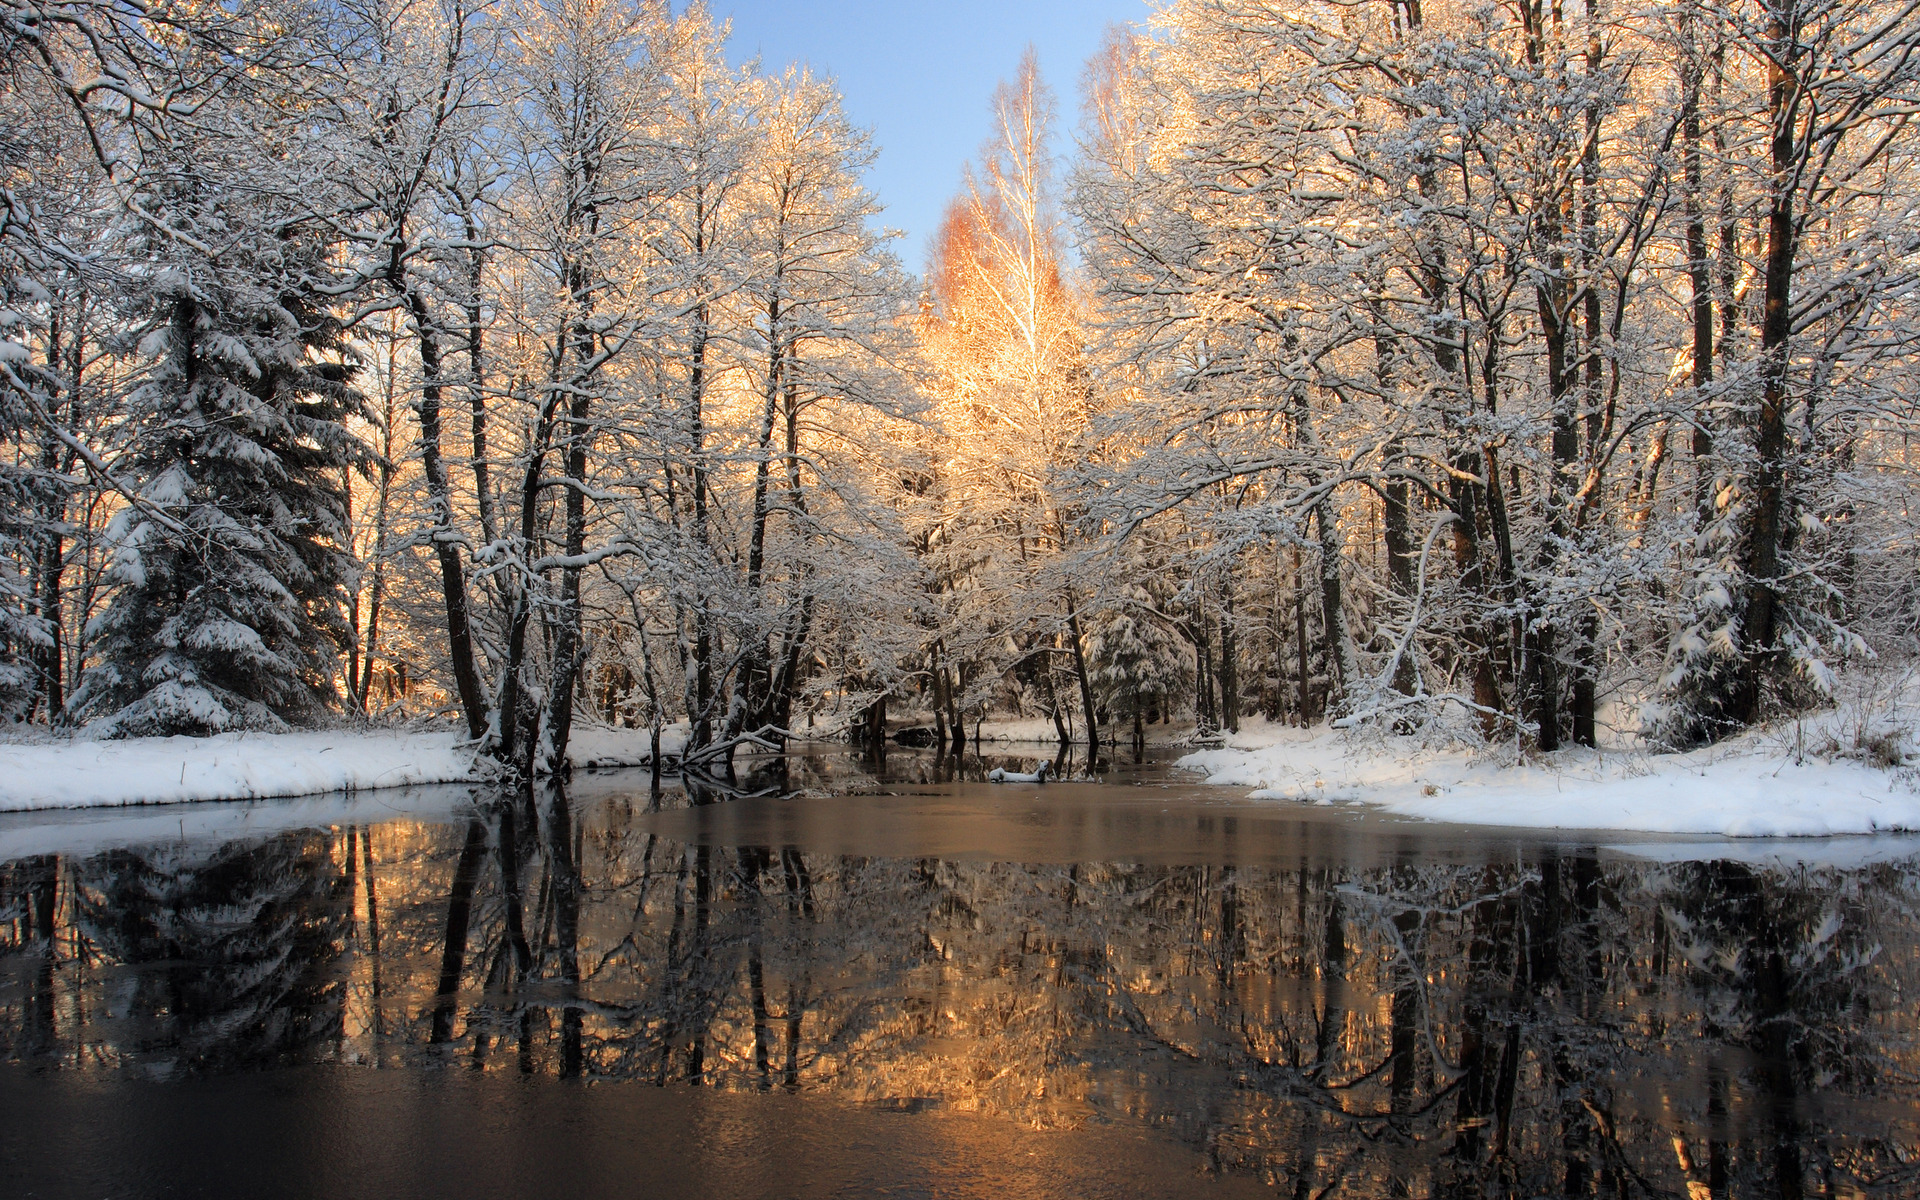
(894, 979)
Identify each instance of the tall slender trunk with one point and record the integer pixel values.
(1698, 276)
(1086, 688)
(703, 632)
(1395, 519)
(569, 645)
(1465, 501)
(368, 646)
(1340, 651)
(752, 695)
(476, 373)
(1584, 693)
(1300, 640)
(1229, 662)
(48, 659)
(1766, 525)
(937, 689)
(788, 680)
(46, 576)
(1204, 713)
(955, 682)
(569, 650)
(700, 708)
(446, 548)
(1539, 636)
(520, 603)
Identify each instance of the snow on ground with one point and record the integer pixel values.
(1750, 787)
(597, 746)
(81, 773)
(1778, 854)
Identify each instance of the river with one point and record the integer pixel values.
(838, 976)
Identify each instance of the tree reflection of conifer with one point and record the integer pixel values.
(235, 948)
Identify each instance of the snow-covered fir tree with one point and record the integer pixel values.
(232, 557)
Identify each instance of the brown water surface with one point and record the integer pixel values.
(835, 976)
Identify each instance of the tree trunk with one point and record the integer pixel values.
(1229, 663)
(1300, 640)
(1698, 278)
(1465, 502)
(955, 681)
(569, 650)
(700, 711)
(521, 605)
(48, 659)
(1584, 698)
(1086, 688)
(1395, 520)
(369, 646)
(1539, 636)
(453, 581)
(937, 691)
(1769, 491)
(752, 691)
(476, 373)
(1204, 713)
(1340, 652)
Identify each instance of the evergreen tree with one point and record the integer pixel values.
(232, 565)
(1138, 665)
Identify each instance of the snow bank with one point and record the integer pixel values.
(229, 766)
(1744, 789)
(592, 746)
(81, 773)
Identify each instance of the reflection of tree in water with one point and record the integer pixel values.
(234, 948)
(1565, 1025)
(1803, 999)
(29, 909)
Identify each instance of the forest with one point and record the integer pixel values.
(1527, 373)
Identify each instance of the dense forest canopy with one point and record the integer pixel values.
(1520, 372)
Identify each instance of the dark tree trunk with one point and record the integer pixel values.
(1302, 656)
(569, 649)
(1699, 280)
(1229, 664)
(453, 581)
(1086, 687)
(1766, 526)
(521, 611)
(1332, 615)
(476, 374)
(1540, 634)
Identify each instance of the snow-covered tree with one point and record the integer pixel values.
(231, 558)
(1013, 398)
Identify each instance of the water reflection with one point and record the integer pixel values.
(1374, 1021)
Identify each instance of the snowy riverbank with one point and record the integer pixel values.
(1756, 786)
(80, 773)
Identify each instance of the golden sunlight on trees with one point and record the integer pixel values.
(1529, 373)
(1013, 397)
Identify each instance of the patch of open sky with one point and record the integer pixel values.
(921, 77)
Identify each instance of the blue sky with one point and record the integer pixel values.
(921, 76)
